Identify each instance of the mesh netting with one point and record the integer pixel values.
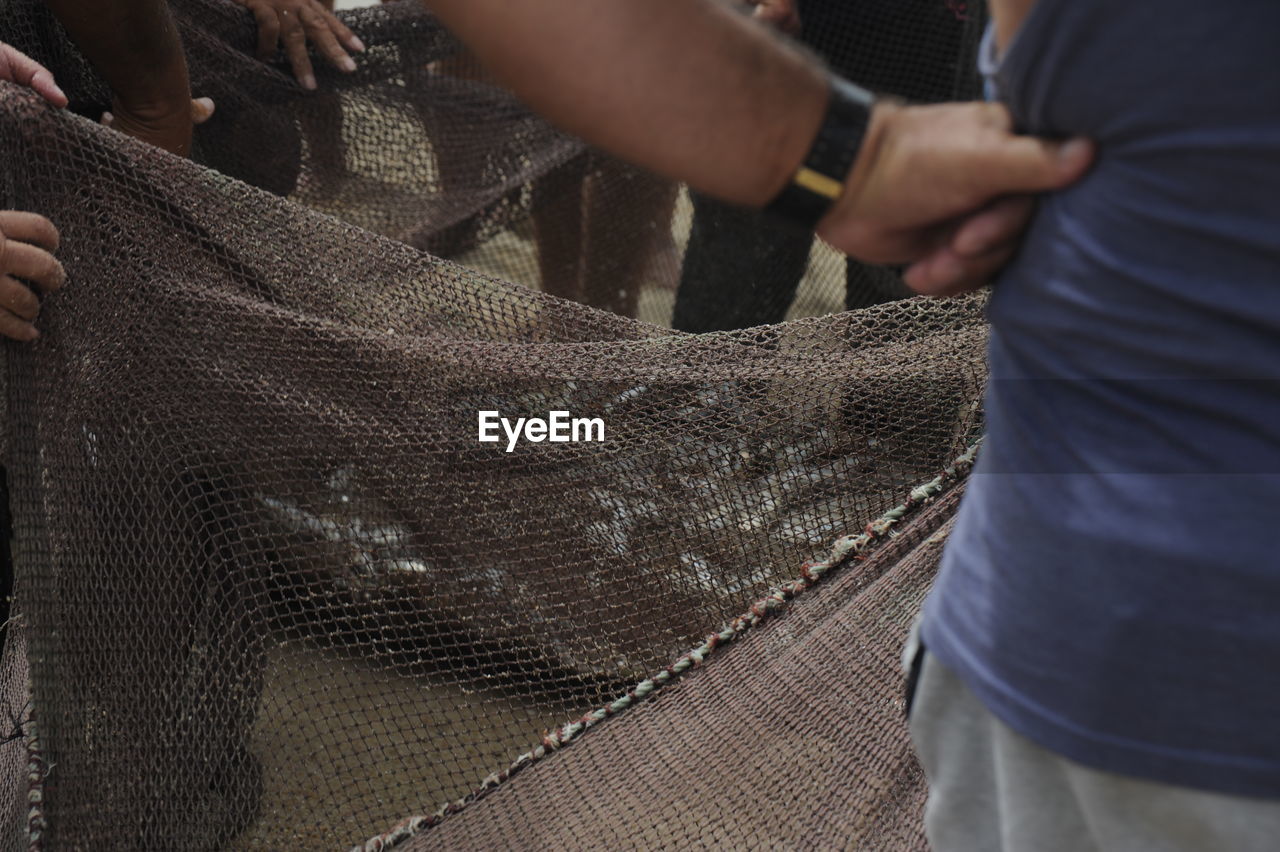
(272, 591)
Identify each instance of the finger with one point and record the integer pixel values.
(17, 299)
(995, 115)
(268, 31)
(343, 32)
(294, 40)
(44, 85)
(17, 329)
(29, 228)
(327, 43)
(108, 120)
(17, 67)
(1024, 164)
(945, 273)
(998, 224)
(201, 110)
(780, 15)
(773, 15)
(31, 263)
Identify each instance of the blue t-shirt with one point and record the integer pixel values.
(1112, 589)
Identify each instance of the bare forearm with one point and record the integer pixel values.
(134, 45)
(694, 92)
(687, 88)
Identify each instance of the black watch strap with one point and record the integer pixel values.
(820, 179)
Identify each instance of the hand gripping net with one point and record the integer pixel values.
(273, 593)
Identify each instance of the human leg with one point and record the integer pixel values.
(993, 790)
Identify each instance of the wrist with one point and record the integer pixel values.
(836, 145)
(155, 106)
(159, 93)
(849, 201)
(156, 123)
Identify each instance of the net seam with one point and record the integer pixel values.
(37, 771)
(845, 548)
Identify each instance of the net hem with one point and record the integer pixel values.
(845, 549)
(37, 772)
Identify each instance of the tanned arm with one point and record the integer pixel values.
(689, 89)
(134, 45)
(697, 92)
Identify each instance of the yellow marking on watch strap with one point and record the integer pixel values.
(817, 182)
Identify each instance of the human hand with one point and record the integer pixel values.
(17, 67)
(27, 243)
(947, 189)
(975, 249)
(290, 24)
(783, 15)
(169, 129)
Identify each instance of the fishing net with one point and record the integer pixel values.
(272, 591)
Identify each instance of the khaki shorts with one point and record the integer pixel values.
(993, 790)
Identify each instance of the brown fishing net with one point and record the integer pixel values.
(273, 592)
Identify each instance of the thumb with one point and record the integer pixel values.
(201, 110)
(42, 81)
(1025, 164)
(20, 68)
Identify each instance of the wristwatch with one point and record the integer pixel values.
(820, 179)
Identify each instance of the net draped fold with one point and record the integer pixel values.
(273, 592)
